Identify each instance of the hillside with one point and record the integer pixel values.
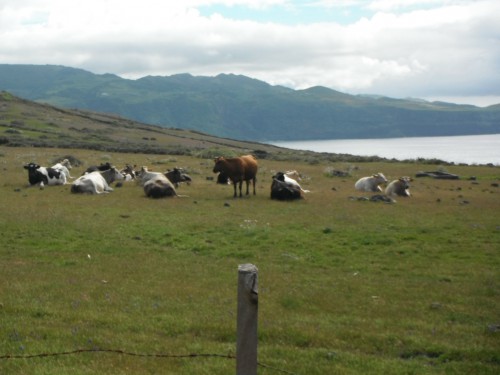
(239, 107)
(26, 123)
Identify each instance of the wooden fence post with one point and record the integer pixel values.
(246, 335)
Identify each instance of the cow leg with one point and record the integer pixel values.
(248, 184)
(254, 180)
(241, 185)
(234, 186)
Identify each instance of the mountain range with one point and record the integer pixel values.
(243, 108)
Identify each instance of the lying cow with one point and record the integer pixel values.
(128, 173)
(371, 183)
(96, 182)
(159, 187)
(42, 176)
(284, 191)
(399, 187)
(102, 167)
(156, 184)
(176, 176)
(144, 175)
(223, 179)
(64, 166)
(294, 175)
(290, 181)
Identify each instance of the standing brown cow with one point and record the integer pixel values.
(243, 168)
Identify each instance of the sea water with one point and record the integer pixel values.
(470, 149)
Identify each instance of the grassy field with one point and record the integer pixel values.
(345, 286)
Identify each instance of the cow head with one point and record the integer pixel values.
(66, 163)
(280, 176)
(218, 161)
(405, 182)
(380, 178)
(31, 166)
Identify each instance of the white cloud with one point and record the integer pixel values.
(394, 5)
(424, 48)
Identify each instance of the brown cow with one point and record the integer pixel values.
(243, 168)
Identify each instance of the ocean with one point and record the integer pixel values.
(470, 149)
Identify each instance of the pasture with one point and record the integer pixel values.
(345, 286)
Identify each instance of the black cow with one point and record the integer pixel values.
(223, 179)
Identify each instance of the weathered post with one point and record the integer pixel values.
(246, 335)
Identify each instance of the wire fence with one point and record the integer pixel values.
(148, 355)
(246, 345)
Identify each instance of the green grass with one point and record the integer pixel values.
(345, 287)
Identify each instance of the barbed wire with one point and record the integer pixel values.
(123, 352)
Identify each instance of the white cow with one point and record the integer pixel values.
(156, 184)
(370, 183)
(144, 175)
(399, 187)
(96, 182)
(64, 166)
(159, 187)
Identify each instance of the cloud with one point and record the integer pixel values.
(418, 48)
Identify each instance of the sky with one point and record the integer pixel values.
(445, 50)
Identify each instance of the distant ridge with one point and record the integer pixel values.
(239, 107)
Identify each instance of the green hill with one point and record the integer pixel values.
(243, 108)
(26, 123)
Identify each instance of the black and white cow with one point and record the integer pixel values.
(42, 176)
(96, 182)
(284, 191)
(102, 167)
(128, 173)
(176, 176)
(283, 177)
